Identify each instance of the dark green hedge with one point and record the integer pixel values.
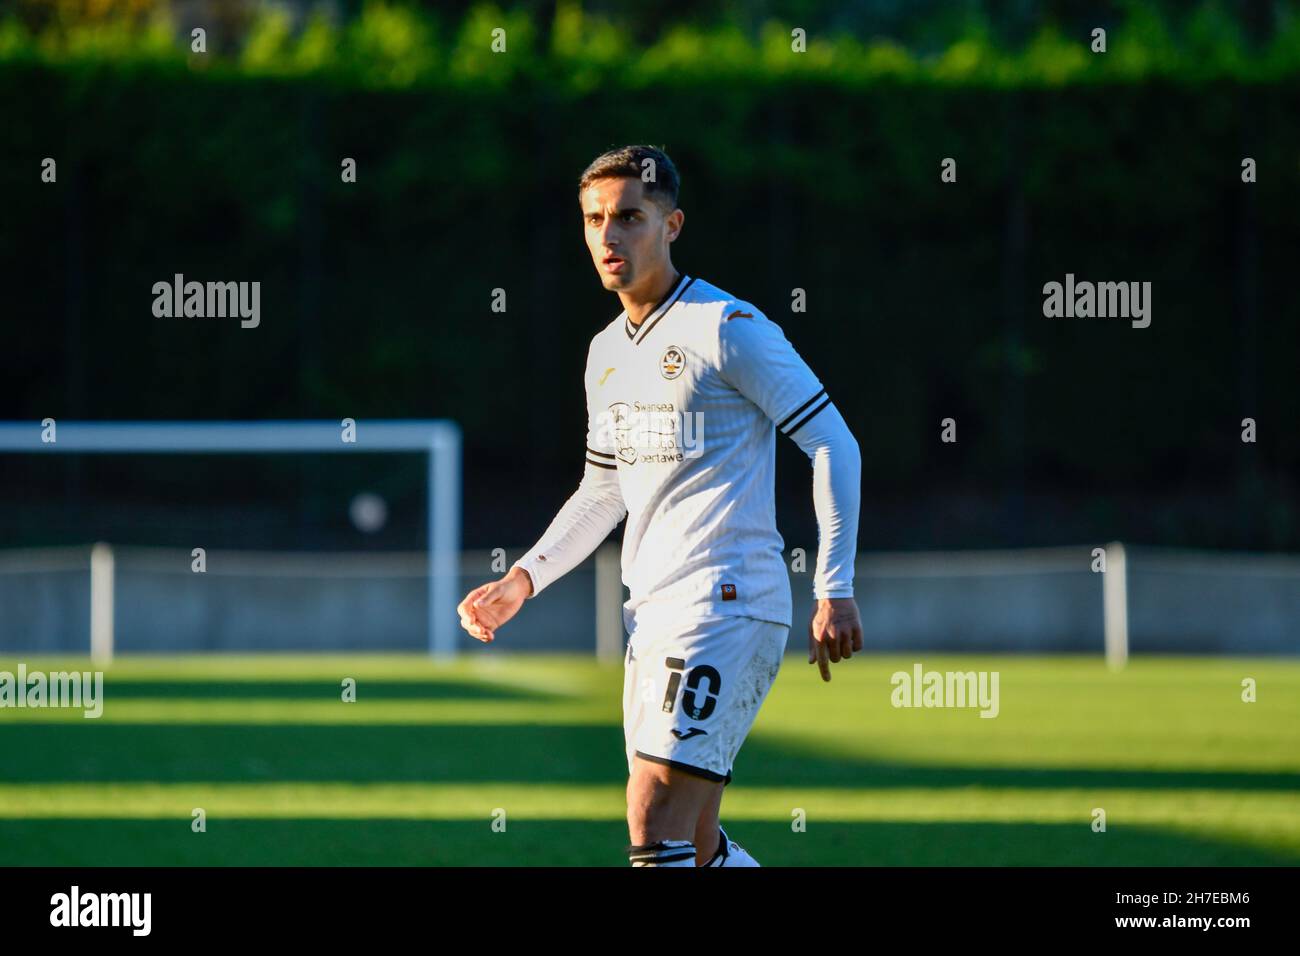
(924, 298)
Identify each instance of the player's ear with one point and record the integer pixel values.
(674, 220)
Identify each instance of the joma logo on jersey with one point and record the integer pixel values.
(650, 432)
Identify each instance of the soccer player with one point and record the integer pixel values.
(685, 390)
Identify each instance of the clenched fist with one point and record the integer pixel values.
(490, 605)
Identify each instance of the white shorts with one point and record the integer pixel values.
(691, 692)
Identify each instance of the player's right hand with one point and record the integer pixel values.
(490, 605)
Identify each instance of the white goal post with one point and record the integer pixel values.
(439, 439)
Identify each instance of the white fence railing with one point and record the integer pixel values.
(104, 599)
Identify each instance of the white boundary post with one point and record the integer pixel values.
(101, 603)
(1114, 590)
(609, 604)
(437, 438)
(444, 541)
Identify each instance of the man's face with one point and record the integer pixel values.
(627, 232)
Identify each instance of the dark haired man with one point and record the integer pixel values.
(685, 389)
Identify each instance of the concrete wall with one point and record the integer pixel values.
(1046, 600)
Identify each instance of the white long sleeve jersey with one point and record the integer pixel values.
(681, 418)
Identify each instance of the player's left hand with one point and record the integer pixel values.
(834, 633)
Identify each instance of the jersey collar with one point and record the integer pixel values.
(638, 333)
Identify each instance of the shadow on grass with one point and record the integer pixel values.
(90, 751)
(386, 842)
(324, 691)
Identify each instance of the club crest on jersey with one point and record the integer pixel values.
(671, 365)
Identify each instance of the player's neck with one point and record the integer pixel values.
(641, 304)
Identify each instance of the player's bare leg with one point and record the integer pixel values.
(707, 828)
(665, 804)
(713, 846)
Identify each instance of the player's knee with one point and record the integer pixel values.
(659, 821)
(664, 804)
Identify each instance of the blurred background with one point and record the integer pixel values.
(816, 171)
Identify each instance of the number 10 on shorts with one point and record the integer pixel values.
(700, 674)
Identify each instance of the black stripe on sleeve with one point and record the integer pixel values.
(601, 464)
(600, 454)
(809, 417)
(799, 411)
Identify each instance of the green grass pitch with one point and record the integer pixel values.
(419, 767)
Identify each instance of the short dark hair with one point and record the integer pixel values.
(629, 162)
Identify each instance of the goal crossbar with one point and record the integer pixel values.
(439, 439)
